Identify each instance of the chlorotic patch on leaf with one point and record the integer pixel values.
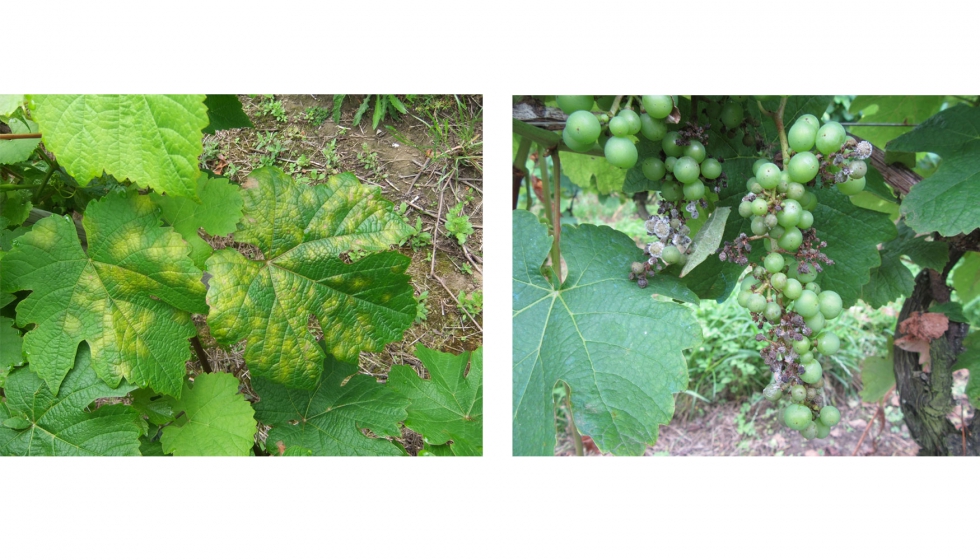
(301, 232)
(36, 421)
(152, 140)
(328, 419)
(130, 297)
(447, 407)
(211, 418)
(618, 348)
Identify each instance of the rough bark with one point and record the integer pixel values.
(926, 398)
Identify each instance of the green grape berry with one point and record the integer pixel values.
(803, 167)
(632, 119)
(791, 213)
(694, 191)
(696, 151)
(653, 169)
(801, 346)
(801, 136)
(711, 168)
(830, 304)
(671, 254)
(858, 169)
(687, 170)
(778, 281)
(571, 103)
(829, 415)
(822, 430)
(605, 102)
(791, 240)
(619, 126)
(852, 186)
(828, 343)
(671, 191)
(669, 144)
(756, 303)
(795, 191)
(793, 289)
(812, 372)
(774, 262)
(806, 220)
(772, 311)
(658, 106)
(798, 393)
(830, 138)
(810, 432)
(760, 207)
(745, 209)
(797, 416)
(807, 305)
(621, 153)
(768, 175)
(583, 127)
(669, 163)
(653, 129)
(732, 115)
(575, 145)
(816, 323)
(757, 164)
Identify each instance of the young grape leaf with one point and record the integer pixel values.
(61, 424)
(15, 151)
(11, 353)
(217, 213)
(708, 239)
(447, 407)
(15, 207)
(130, 297)
(152, 140)
(616, 347)
(585, 170)
(878, 375)
(328, 419)
(966, 277)
(906, 109)
(212, 418)
(852, 235)
(970, 359)
(301, 232)
(225, 112)
(893, 279)
(9, 103)
(948, 201)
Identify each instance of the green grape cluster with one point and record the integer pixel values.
(782, 293)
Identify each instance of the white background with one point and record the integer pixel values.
(496, 505)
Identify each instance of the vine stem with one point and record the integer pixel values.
(552, 219)
(47, 176)
(20, 136)
(576, 436)
(201, 355)
(783, 142)
(10, 187)
(615, 105)
(556, 212)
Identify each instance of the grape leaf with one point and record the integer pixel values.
(878, 375)
(592, 172)
(59, 424)
(908, 109)
(852, 235)
(327, 420)
(15, 207)
(708, 239)
(11, 353)
(15, 151)
(212, 418)
(217, 213)
(9, 103)
(301, 232)
(948, 201)
(449, 405)
(966, 277)
(130, 297)
(635, 180)
(616, 347)
(893, 279)
(224, 112)
(152, 140)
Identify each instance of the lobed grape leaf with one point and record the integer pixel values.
(447, 407)
(130, 297)
(225, 112)
(970, 359)
(892, 279)
(948, 201)
(11, 348)
(592, 171)
(301, 232)
(36, 421)
(211, 418)
(217, 213)
(15, 151)
(907, 109)
(328, 419)
(966, 277)
(878, 375)
(152, 140)
(616, 347)
(852, 235)
(9, 103)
